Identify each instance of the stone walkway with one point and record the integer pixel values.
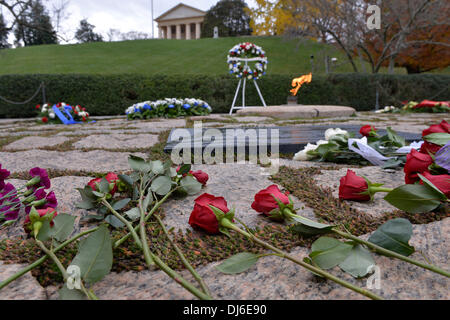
(105, 145)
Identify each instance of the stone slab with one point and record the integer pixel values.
(298, 111)
(117, 141)
(24, 288)
(98, 160)
(35, 143)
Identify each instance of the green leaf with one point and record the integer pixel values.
(161, 185)
(133, 214)
(126, 179)
(395, 138)
(157, 167)
(63, 226)
(98, 194)
(394, 235)
(190, 185)
(309, 227)
(46, 231)
(67, 294)
(329, 252)
(121, 204)
(238, 263)
(219, 213)
(95, 255)
(87, 198)
(148, 199)
(414, 198)
(87, 205)
(431, 185)
(185, 168)
(139, 164)
(440, 139)
(358, 262)
(115, 222)
(103, 186)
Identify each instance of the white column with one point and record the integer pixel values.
(188, 31)
(169, 32)
(178, 31)
(160, 32)
(197, 30)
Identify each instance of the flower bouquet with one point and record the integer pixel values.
(168, 108)
(47, 113)
(247, 52)
(424, 106)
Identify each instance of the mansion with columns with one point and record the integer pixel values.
(181, 22)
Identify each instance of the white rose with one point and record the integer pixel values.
(329, 133)
(51, 115)
(302, 155)
(320, 142)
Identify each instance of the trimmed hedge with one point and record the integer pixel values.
(112, 94)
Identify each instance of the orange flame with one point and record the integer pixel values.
(298, 82)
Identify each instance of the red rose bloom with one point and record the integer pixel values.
(443, 127)
(367, 130)
(201, 176)
(44, 119)
(38, 106)
(110, 177)
(351, 186)
(264, 201)
(42, 212)
(429, 147)
(416, 162)
(203, 217)
(442, 182)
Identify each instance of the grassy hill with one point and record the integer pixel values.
(204, 56)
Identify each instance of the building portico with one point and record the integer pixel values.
(181, 22)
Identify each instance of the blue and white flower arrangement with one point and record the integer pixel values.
(168, 108)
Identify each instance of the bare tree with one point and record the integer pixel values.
(344, 23)
(59, 14)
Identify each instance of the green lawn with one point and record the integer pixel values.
(205, 56)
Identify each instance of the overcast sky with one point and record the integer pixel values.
(132, 15)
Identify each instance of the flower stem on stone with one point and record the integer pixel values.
(228, 224)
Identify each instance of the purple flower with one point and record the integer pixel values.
(43, 200)
(9, 206)
(3, 175)
(443, 157)
(40, 179)
(52, 202)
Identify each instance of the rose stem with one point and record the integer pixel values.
(60, 266)
(184, 260)
(155, 207)
(142, 230)
(392, 254)
(42, 259)
(124, 221)
(226, 223)
(382, 250)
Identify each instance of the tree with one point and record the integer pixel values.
(3, 34)
(85, 33)
(402, 39)
(34, 26)
(230, 16)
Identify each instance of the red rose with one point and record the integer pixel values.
(38, 106)
(416, 162)
(203, 217)
(367, 130)
(443, 127)
(201, 176)
(264, 201)
(351, 186)
(429, 147)
(110, 177)
(442, 182)
(44, 119)
(42, 212)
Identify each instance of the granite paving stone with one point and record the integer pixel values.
(35, 142)
(117, 141)
(24, 288)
